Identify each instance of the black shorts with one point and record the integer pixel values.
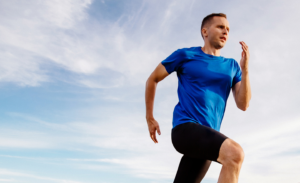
(197, 141)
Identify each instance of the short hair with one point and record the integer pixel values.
(208, 18)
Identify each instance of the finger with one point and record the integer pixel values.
(244, 48)
(242, 44)
(158, 130)
(153, 138)
(245, 45)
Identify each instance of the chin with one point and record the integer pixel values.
(219, 45)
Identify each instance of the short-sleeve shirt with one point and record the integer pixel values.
(204, 83)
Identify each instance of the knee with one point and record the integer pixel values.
(237, 155)
(234, 156)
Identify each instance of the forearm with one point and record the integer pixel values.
(244, 93)
(158, 74)
(149, 97)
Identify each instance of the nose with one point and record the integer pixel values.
(225, 32)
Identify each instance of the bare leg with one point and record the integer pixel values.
(231, 156)
(191, 170)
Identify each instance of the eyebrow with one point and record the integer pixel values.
(224, 26)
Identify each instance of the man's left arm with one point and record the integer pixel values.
(242, 90)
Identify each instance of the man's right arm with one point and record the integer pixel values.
(157, 75)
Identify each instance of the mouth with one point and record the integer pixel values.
(223, 38)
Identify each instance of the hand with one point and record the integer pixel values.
(245, 57)
(153, 126)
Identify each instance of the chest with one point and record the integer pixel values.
(207, 72)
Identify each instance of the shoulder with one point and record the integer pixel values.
(232, 61)
(189, 49)
(188, 52)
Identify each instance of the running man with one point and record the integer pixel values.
(205, 79)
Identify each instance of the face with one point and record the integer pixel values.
(216, 33)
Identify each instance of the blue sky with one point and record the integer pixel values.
(72, 81)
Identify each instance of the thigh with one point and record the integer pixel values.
(197, 141)
(191, 170)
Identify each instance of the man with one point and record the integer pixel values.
(205, 79)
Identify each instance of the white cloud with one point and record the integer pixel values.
(121, 54)
(6, 180)
(20, 67)
(63, 33)
(16, 174)
(34, 33)
(271, 152)
(268, 150)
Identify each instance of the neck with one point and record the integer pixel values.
(208, 49)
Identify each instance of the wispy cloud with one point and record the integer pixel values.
(15, 174)
(6, 180)
(109, 48)
(148, 160)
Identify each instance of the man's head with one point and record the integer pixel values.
(215, 29)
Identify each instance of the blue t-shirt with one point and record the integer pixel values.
(204, 83)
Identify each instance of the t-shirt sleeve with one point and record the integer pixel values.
(238, 75)
(174, 61)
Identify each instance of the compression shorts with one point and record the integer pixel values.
(200, 145)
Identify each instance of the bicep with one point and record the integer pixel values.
(159, 73)
(235, 90)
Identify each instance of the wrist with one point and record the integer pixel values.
(149, 117)
(245, 71)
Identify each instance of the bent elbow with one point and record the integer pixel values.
(243, 107)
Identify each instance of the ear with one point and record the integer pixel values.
(204, 32)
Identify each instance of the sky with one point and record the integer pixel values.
(72, 84)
